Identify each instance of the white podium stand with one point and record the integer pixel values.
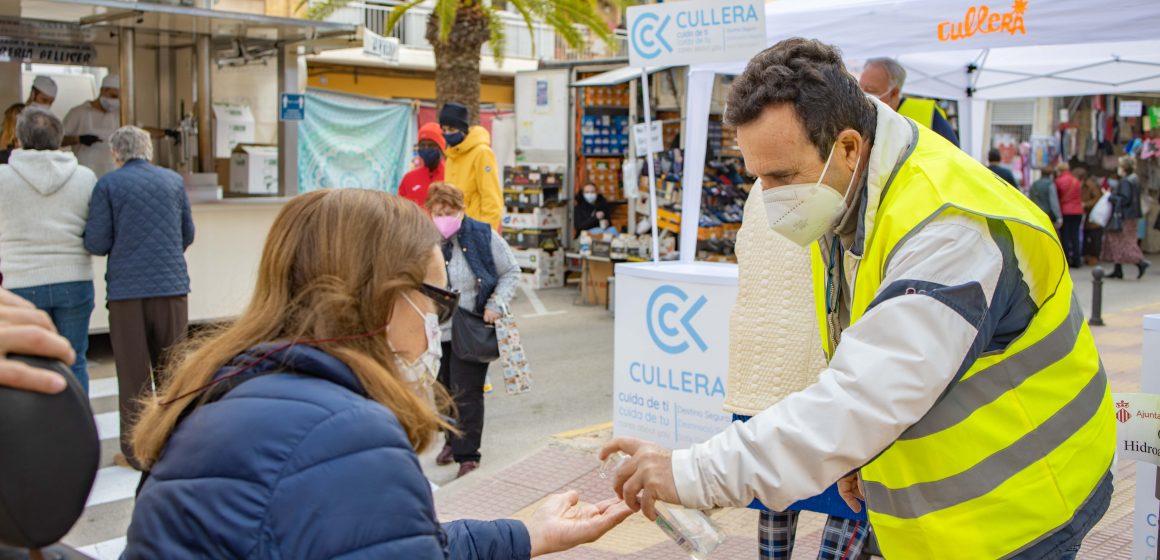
(1147, 515)
(672, 350)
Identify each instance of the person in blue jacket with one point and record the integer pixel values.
(293, 431)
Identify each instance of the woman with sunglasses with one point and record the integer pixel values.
(293, 431)
(483, 270)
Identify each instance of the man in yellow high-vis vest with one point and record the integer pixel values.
(884, 77)
(964, 399)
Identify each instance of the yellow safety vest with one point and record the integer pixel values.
(1022, 439)
(920, 111)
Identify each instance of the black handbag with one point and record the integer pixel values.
(1116, 221)
(473, 340)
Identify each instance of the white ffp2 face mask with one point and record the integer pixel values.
(422, 372)
(804, 212)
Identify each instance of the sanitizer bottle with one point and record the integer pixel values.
(692, 530)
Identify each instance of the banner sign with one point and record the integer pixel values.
(385, 48)
(648, 138)
(672, 354)
(48, 31)
(25, 50)
(1138, 426)
(695, 32)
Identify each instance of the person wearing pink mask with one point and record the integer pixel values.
(482, 268)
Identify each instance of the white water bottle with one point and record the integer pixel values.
(692, 530)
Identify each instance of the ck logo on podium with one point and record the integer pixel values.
(670, 315)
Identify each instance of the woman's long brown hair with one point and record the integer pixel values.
(8, 132)
(334, 264)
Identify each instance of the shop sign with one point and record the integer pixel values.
(45, 31)
(649, 137)
(385, 48)
(26, 50)
(671, 358)
(1131, 109)
(695, 32)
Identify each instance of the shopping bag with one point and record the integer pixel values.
(1102, 211)
(517, 374)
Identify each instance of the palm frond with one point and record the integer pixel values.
(397, 14)
(498, 39)
(522, 7)
(447, 10)
(323, 10)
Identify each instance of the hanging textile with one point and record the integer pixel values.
(348, 142)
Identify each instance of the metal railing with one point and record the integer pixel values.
(593, 48)
(411, 30)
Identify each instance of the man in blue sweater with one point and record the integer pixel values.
(140, 218)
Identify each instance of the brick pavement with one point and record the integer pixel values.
(569, 462)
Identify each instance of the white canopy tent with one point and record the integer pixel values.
(971, 51)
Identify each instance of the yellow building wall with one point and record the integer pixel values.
(404, 87)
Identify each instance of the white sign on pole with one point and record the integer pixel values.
(385, 48)
(649, 137)
(695, 32)
(1147, 514)
(1138, 426)
(672, 351)
(1131, 109)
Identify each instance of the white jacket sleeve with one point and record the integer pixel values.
(887, 372)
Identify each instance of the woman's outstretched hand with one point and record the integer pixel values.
(563, 522)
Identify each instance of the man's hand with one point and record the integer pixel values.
(89, 139)
(563, 523)
(648, 474)
(490, 317)
(850, 488)
(26, 330)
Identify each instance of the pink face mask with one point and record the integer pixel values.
(448, 225)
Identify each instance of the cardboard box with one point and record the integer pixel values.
(233, 125)
(539, 218)
(539, 259)
(531, 238)
(254, 170)
(594, 284)
(537, 281)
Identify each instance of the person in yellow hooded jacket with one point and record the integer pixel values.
(471, 165)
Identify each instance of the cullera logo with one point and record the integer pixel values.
(666, 301)
(644, 30)
(979, 20)
(1122, 412)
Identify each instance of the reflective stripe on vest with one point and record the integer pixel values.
(920, 111)
(1021, 439)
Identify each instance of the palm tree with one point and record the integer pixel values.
(458, 29)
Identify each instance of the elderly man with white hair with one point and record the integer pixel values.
(140, 218)
(884, 77)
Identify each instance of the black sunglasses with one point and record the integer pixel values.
(445, 301)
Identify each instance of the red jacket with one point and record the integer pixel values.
(415, 184)
(1070, 194)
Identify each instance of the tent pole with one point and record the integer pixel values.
(652, 179)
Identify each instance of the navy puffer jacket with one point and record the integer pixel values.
(300, 465)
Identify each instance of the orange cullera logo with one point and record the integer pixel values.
(980, 20)
(1122, 413)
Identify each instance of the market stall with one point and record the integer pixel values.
(166, 56)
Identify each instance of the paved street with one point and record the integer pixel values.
(570, 348)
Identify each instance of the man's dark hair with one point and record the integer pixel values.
(994, 156)
(811, 76)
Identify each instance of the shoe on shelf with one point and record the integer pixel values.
(466, 467)
(1143, 266)
(445, 457)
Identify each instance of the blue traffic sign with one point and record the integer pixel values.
(293, 107)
